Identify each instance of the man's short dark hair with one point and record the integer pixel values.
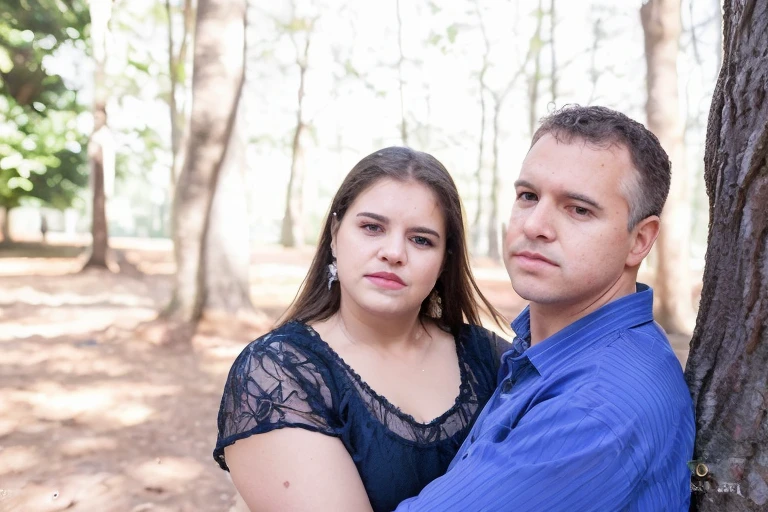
(603, 127)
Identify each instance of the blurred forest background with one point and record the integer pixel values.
(165, 167)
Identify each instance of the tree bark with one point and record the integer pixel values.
(100, 147)
(672, 285)
(217, 83)
(292, 234)
(726, 368)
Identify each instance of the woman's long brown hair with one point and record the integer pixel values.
(458, 291)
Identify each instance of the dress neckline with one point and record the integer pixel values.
(457, 403)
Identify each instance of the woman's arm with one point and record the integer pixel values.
(293, 469)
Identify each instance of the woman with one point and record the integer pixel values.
(367, 389)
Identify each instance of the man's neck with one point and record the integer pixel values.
(551, 318)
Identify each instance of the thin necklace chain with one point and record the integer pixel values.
(346, 334)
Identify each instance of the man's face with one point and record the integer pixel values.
(567, 243)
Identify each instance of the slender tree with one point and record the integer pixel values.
(292, 234)
(177, 65)
(661, 26)
(400, 80)
(536, 46)
(552, 53)
(726, 368)
(101, 150)
(476, 223)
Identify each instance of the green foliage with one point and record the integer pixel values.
(42, 153)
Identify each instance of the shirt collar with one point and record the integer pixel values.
(551, 353)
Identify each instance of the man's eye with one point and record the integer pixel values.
(581, 211)
(527, 196)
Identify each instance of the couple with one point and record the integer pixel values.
(380, 390)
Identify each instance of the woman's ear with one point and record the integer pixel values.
(334, 229)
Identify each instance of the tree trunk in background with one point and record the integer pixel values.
(100, 146)
(292, 234)
(673, 284)
(96, 155)
(176, 65)
(227, 246)
(552, 53)
(400, 81)
(494, 229)
(6, 224)
(217, 83)
(477, 228)
(533, 81)
(726, 368)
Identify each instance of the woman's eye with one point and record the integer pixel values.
(420, 240)
(373, 228)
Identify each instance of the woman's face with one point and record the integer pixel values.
(390, 248)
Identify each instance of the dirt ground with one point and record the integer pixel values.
(96, 416)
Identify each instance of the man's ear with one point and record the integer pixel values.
(643, 236)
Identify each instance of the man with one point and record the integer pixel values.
(591, 411)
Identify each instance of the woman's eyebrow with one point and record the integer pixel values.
(425, 230)
(374, 216)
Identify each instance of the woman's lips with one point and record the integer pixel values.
(386, 280)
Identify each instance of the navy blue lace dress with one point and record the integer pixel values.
(291, 378)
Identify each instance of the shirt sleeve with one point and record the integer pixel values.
(560, 457)
(273, 384)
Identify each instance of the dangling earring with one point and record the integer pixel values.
(435, 304)
(333, 272)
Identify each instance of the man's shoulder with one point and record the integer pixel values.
(639, 372)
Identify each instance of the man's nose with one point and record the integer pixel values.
(538, 223)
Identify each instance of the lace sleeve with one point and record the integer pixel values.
(273, 384)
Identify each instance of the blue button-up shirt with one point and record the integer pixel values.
(595, 417)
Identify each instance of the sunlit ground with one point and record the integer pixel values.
(94, 415)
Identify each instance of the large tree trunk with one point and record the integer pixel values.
(217, 84)
(100, 146)
(661, 26)
(227, 246)
(726, 368)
